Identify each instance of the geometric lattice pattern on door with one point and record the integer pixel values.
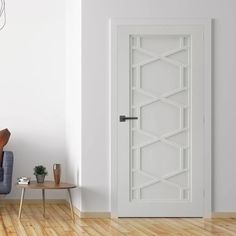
(160, 97)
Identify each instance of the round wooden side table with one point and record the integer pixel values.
(43, 186)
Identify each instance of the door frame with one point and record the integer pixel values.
(114, 23)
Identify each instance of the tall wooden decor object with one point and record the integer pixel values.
(57, 173)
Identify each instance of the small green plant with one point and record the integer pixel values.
(40, 170)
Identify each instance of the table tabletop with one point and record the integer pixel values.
(46, 185)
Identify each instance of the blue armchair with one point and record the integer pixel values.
(6, 173)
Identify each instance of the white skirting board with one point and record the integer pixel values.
(94, 214)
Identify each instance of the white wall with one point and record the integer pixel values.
(73, 95)
(32, 83)
(32, 86)
(95, 159)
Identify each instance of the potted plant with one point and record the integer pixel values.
(40, 172)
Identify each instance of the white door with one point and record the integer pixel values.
(160, 85)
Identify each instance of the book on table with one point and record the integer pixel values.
(23, 180)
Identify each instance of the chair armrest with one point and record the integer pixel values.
(7, 165)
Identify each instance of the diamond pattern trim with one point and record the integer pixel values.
(165, 99)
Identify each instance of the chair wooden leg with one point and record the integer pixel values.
(21, 202)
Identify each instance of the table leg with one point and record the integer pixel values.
(43, 195)
(71, 206)
(21, 201)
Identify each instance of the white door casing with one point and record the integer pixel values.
(158, 161)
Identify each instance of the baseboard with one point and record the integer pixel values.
(57, 201)
(223, 215)
(90, 214)
(32, 201)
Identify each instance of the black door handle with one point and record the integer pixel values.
(124, 118)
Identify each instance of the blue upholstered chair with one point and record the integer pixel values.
(6, 173)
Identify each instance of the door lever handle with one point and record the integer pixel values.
(124, 118)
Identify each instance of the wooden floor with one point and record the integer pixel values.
(58, 222)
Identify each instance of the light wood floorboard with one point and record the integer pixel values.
(58, 222)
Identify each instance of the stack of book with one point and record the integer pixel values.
(23, 180)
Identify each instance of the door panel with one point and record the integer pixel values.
(160, 81)
(160, 136)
